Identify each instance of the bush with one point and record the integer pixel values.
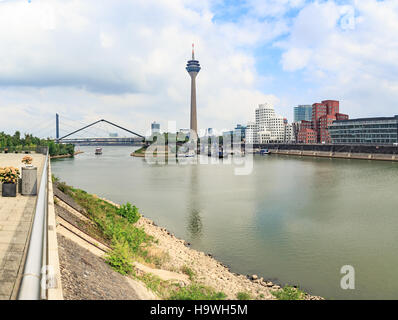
(243, 296)
(289, 293)
(129, 212)
(119, 258)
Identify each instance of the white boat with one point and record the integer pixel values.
(190, 154)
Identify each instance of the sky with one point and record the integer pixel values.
(124, 60)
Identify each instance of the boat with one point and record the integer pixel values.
(190, 154)
(264, 152)
(98, 151)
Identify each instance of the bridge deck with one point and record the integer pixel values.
(16, 217)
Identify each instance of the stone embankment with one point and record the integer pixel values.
(208, 271)
(82, 265)
(337, 155)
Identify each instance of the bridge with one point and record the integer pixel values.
(137, 138)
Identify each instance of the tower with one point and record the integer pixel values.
(193, 68)
(57, 127)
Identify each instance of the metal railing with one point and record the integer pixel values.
(31, 287)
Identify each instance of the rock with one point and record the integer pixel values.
(254, 277)
(276, 287)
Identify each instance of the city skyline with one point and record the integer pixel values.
(131, 69)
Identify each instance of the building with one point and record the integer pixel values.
(155, 128)
(113, 135)
(240, 131)
(323, 116)
(300, 126)
(193, 68)
(270, 126)
(382, 130)
(251, 133)
(307, 136)
(186, 132)
(288, 135)
(303, 113)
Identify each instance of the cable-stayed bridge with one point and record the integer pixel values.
(91, 134)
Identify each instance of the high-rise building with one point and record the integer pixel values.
(240, 131)
(270, 126)
(155, 127)
(193, 68)
(251, 133)
(323, 116)
(303, 113)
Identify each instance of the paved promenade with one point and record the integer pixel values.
(16, 217)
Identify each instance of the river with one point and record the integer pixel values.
(292, 220)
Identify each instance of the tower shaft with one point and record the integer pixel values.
(194, 120)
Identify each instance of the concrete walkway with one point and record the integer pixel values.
(16, 217)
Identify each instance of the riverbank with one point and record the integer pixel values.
(337, 155)
(66, 155)
(172, 258)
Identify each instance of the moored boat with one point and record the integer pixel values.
(98, 151)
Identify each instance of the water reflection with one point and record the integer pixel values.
(195, 225)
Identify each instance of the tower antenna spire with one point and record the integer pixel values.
(193, 51)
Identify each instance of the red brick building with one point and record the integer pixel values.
(323, 115)
(307, 136)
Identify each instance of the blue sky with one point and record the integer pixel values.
(124, 60)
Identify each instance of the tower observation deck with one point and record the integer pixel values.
(193, 68)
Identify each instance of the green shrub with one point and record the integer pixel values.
(243, 296)
(129, 212)
(119, 258)
(196, 292)
(188, 271)
(289, 293)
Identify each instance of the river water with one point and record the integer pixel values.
(292, 220)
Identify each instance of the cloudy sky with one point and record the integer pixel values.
(124, 60)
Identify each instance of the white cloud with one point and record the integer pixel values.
(125, 60)
(354, 61)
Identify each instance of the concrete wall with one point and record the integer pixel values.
(352, 149)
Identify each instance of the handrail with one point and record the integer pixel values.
(31, 288)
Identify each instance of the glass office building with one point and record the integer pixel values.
(365, 131)
(303, 112)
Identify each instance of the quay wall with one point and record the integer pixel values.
(344, 148)
(362, 152)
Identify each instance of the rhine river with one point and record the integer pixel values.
(292, 220)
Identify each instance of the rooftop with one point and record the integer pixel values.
(368, 119)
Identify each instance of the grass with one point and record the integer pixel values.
(289, 293)
(188, 271)
(196, 291)
(140, 150)
(243, 296)
(129, 243)
(116, 226)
